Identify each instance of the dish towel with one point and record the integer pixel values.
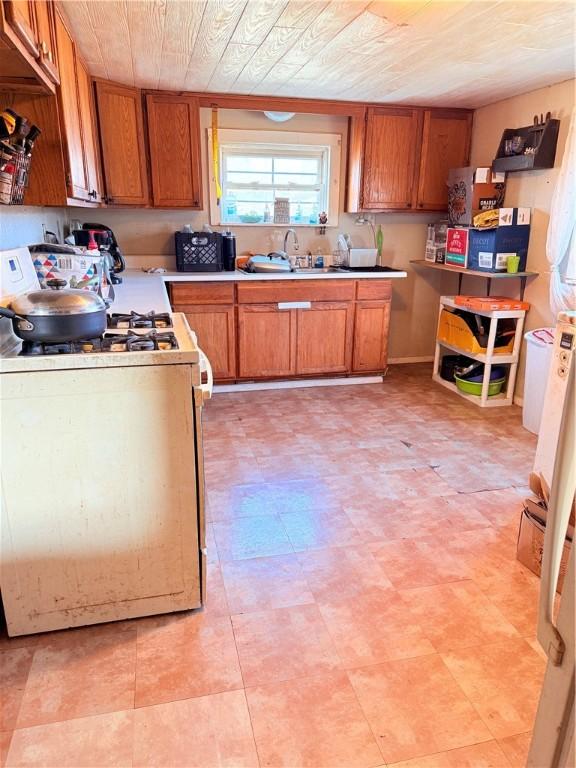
(561, 238)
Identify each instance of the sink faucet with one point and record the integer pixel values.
(296, 243)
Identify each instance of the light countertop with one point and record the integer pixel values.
(144, 292)
(240, 276)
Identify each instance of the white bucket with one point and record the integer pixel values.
(539, 346)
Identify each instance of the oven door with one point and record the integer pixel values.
(202, 393)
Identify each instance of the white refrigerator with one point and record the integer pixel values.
(552, 743)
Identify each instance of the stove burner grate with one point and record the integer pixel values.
(139, 320)
(110, 342)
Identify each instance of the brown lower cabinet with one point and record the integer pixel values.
(266, 341)
(371, 336)
(215, 328)
(269, 330)
(324, 338)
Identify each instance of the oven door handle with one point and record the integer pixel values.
(205, 367)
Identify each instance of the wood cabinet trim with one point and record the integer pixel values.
(373, 289)
(191, 294)
(268, 291)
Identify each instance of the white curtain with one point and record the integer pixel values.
(561, 239)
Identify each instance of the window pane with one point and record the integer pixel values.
(292, 178)
(248, 178)
(256, 195)
(247, 163)
(301, 196)
(252, 181)
(296, 165)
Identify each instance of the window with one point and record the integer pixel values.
(258, 167)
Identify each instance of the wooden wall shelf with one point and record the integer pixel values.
(488, 276)
(540, 138)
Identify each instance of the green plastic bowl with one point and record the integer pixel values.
(475, 387)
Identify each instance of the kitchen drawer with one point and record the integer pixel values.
(373, 290)
(295, 290)
(201, 293)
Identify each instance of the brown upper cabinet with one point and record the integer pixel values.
(175, 157)
(390, 157)
(402, 157)
(46, 37)
(28, 60)
(89, 133)
(445, 144)
(122, 140)
(65, 162)
(71, 115)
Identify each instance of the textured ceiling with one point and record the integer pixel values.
(453, 53)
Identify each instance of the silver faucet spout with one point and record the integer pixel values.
(295, 236)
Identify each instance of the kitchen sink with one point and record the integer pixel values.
(311, 270)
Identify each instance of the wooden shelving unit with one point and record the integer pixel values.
(488, 276)
(489, 358)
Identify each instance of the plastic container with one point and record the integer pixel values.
(475, 387)
(539, 345)
(460, 328)
(449, 365)
(198, 251)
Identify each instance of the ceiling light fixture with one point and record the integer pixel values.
(279, 117)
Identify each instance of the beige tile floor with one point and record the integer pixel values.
(365, 607)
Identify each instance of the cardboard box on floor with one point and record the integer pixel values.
(530, 546)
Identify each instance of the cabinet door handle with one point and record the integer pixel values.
(93, 194)
(408, 205)
(294, 304)
(420, 205)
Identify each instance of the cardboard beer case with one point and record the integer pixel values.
(472, 190)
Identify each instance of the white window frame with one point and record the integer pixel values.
(330, 142)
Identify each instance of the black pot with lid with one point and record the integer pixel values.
(57, 315)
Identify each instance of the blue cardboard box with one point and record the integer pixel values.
(489, 249)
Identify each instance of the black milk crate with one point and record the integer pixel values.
(199, 252)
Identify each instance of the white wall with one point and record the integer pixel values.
(22, 224)
(526, 188)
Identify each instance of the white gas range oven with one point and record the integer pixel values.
(102, 472)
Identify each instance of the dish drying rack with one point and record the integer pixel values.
(14, 173)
